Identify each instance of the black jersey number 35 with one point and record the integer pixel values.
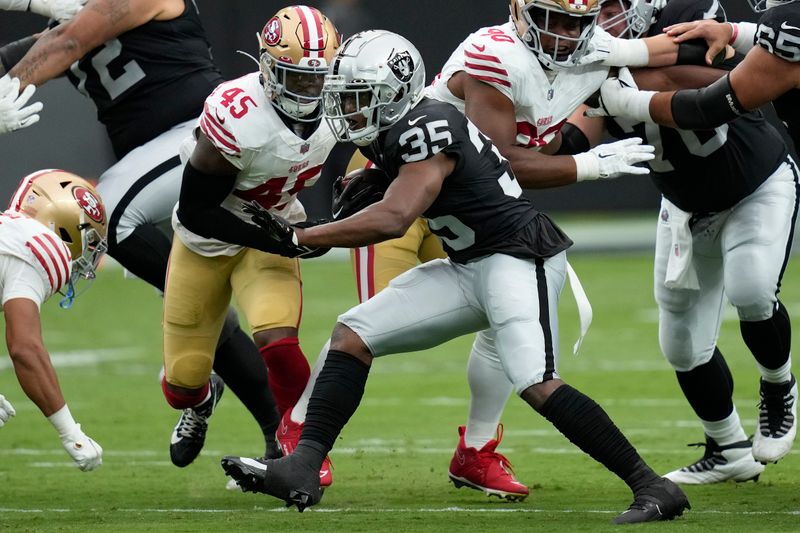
(418, 144)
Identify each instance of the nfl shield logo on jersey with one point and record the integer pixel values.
(402, 66)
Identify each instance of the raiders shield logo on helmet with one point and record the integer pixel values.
(402, 66)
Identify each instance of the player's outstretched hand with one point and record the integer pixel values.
(615, 159)
(14, 114)
(620, 97)
(86, 453)
(716, 34)
(6, 410)
(279, 235)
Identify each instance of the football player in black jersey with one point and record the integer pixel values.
(147, 66)
(725, 227)
(506, 267)
(769, 73)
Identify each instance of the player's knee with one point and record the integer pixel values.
(752, 303)
(682, 353)
(536, 395)
(189, 371)
(346, 340)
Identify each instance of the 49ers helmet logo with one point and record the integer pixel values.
(89, 203)
(272, 31)
(402, 66)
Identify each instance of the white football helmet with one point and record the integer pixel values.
(635, 16)
(534, 19)
(759, 6)
(377, 75)
(296, 47)
(72, 209)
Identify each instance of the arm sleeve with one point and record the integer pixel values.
(200, 211)
(707, 108)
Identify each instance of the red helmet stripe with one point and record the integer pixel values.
(313, 35)
(24, 186)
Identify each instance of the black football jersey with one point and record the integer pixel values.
(779, 31)
(480, 209)
(149, 79)
(707, 170)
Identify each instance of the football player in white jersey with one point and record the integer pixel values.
(51, 237)
(147, 67)
(261, 138)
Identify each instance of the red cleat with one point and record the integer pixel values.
(288, 435)
(485, 469)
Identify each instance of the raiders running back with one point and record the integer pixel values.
(149, 78)
(480, 209)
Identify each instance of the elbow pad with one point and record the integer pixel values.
(707, 108)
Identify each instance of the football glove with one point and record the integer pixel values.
(614, 51)
(358, 189)
(13, 112)
(280, 235)
(614, 159)
(620, 97)
(86, 453)
(61, 10)
(6, 410)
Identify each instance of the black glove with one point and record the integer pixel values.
(280, 235)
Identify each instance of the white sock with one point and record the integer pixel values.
(725, 431)
(298, 413)
(781, 374)
(489, 388)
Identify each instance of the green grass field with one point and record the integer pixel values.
(391, 460)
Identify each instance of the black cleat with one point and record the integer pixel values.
(189, 434)
(662, 500)
(285, 479)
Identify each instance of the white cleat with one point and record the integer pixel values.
(777, 421)
(733, 462)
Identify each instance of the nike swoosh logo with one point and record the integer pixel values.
(785, 26)
(412, 122)
(219, 118)
(603, 156)
(479, 48)
(323, 473)
(337, 213)
(461, 459)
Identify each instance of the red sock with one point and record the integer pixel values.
(183, 401)
(288, 371)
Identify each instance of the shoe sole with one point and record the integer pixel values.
(503, 495)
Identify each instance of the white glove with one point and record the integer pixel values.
(61, 10)
(86, 453)
(614, 51)
(614, 159)
(6, 410)
(13, 113)
(619, 97)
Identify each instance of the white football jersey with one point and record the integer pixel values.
(38, 246)
(274, 164)
(496, 56)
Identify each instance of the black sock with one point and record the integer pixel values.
(769, 340)
(239, 364)
(588, 426)
(337, 393)
(709, 388)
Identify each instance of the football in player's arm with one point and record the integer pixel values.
(35, 263)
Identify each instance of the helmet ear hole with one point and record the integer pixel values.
(64, 235)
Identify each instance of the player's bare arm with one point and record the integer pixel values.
(493, 113)
(757, 80)
(98, 22)
(27, 351)
(410, 194)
